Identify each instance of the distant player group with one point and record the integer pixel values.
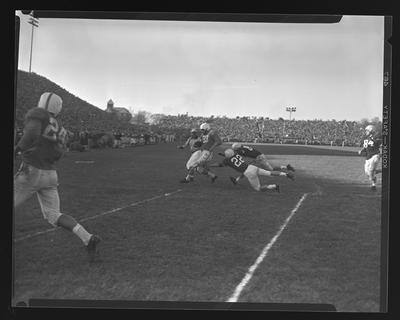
(202, 146)
(43, 144)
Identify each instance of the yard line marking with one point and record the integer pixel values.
(99, 215)
(318, 192)
(264, 252)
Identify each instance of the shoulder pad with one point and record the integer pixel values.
(37, 113)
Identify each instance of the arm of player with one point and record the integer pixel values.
(62, 138)
(216, 164)
(223, 163)
(362, 151)
(31, 133)
(217, 142)
(184, 145)
(380, 142)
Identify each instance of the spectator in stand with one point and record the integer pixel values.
(84, 139)
(117, 137)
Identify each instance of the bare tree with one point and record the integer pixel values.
(141, 117)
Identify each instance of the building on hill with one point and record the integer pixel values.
(122, 113)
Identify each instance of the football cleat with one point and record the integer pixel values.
(184, 180)
(233, 180)
(290, 168)
(213, 179)
(92, 247)
(290, 175)
(373, 188)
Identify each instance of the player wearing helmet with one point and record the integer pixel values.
(251, 172)
(260, 159)
(371, 144)
(194, 143)
(210, 140)
(41, 146)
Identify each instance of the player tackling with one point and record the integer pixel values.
(260, 160)
(251, 172)
(371, 144)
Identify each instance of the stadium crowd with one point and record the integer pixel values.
(259, 129)
(91, 127)
(91, 132)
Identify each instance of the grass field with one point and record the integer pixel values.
(198, 242)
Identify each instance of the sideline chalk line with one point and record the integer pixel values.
(28, 236)
(263, 254)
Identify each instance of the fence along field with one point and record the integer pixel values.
(198, 242)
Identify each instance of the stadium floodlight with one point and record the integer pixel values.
(35, 23)
(290, 110)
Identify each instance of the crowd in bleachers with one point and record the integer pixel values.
(259, 129)
(94, 134)
(91, 127)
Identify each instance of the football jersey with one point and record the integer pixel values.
(371, 145)
(249, 152)
(236, 162)
(193, 145)
(44, 150)
(209, 139)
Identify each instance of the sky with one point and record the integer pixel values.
(325, 71)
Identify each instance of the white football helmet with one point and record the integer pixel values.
(229, 153)
(50, 102)
(236, 145)
(369, 129)
(205, 127)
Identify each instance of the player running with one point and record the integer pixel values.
(210, 140)
(260, 160)
(41, 146)
(371, 149)
(251, 172)
(194, 143)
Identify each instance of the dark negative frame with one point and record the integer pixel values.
(261, 18)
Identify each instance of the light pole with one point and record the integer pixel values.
(35, 23)
(290, 110)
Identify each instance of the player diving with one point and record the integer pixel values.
(260, 160)
(251, 172)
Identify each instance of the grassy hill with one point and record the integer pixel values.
(76, 113)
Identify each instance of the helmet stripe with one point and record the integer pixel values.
(46, 106)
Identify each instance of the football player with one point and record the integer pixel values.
(260, 160)
(194, 143)
(210, 140)
(41, 146)
(371, 145)
(251, 172)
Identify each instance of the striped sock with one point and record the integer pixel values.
(82, 233)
